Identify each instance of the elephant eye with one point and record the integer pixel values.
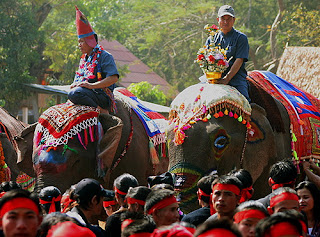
(221, 142)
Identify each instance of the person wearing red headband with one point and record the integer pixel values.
(20, 213)
(121, 186)
(283, 199)
(50, 198)
(136, 224)
(247, 215)
(282, 174)
(110, 204)
(136, 198)
(281, 224)
(67, 203)
(218, 228)
(69, 229)
(246, 179)
(226, 194)
(199, 216)
(163, 207)
(95, 79)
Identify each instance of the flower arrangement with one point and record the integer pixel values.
(211, 58)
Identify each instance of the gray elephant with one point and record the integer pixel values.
(9, 128)
(214, 128)
(124, 147)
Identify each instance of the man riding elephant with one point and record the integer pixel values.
(97, 74)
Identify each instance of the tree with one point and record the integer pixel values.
(145, 91)
(19, 37)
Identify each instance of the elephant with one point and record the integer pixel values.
(124, 148)
(9, 128)
(206, 135)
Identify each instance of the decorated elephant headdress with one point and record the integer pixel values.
(202, 101)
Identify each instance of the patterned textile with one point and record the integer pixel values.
(26, 181)
(154, 123)
(61, 122)
(303, 110)
(202, 101)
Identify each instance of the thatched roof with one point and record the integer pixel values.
(301, 67)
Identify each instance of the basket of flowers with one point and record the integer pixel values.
(212, 59)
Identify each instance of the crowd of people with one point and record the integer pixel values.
(226, 208)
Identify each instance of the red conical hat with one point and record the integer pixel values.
(84, 29)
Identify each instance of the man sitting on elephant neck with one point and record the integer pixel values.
(282, 174)
(89, 195)
(97, 74)
(226, 194)
(237, 50)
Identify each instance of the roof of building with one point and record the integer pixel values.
(138, 70)
(64, 90)
(301, 67)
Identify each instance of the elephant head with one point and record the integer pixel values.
(208, 134)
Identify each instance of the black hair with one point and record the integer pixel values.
(244, 176)
(283, 172)
(290, 216)
(156, 196)
(227, 179)
(110, 195)
(249, 205)
(9, 185)
(139, 193)
(223, 223)
(53, 219)
(124, 182)
(69, 192)
(315, 192)
(165, 178)
(141, 224)
(47, 194)
(205, 185)
(18, 193)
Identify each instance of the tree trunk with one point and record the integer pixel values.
(274, 28)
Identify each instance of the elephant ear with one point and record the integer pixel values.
(25, 145)
(108, 146)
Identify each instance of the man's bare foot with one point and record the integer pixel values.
(103, 111)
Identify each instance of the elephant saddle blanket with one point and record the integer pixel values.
(63, 121)
(153, 122)
(303, 110)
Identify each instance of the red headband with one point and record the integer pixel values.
(142, 234)
(20, 202)
(246, 194)
(163, 203)
(66, 201)
(202, 193)
(52, 203)
(251, 213)
(119, 191)
(283, 196)
(275, 185)
(109, 203)
(282, 228)
(229, 187)
(217, 232)
(130, 200)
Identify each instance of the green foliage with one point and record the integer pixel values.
(145, 91)
(19, 38)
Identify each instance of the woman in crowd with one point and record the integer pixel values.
(309, 201)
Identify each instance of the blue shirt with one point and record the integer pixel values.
(108, 67)
(238, 47)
